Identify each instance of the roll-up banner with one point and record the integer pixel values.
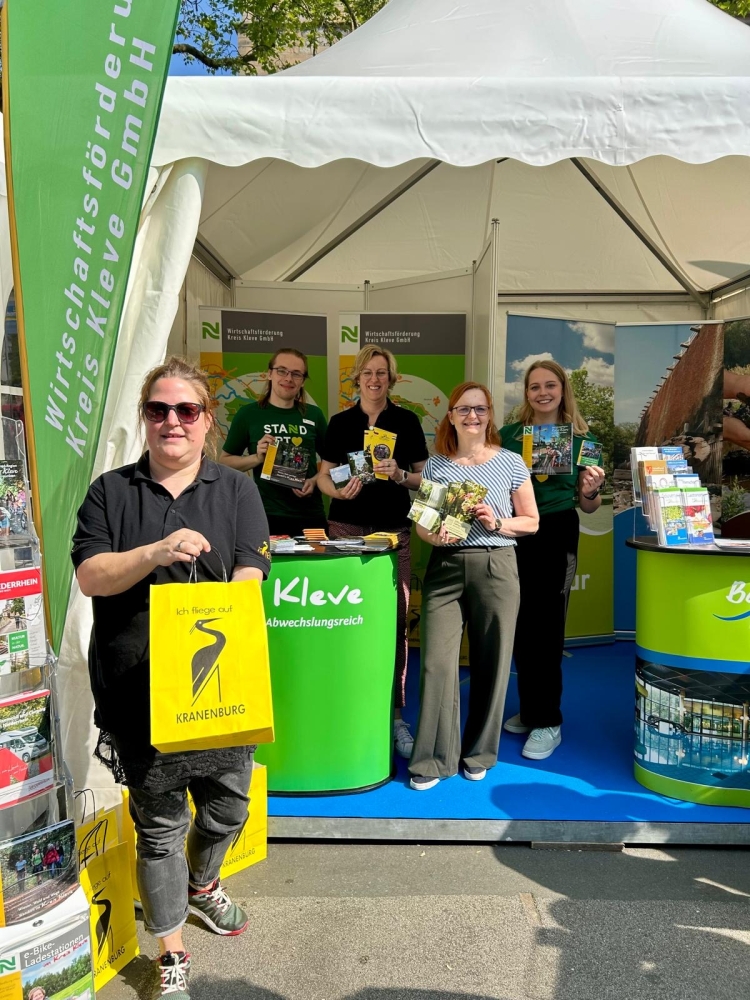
(237, 344)
(430, 351)
(79, 131)
(586, 351)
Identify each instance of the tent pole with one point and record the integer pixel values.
(352, 228)
(631, 223)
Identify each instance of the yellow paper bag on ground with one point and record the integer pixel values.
(210, 679)
(250, 845)
(107, 883)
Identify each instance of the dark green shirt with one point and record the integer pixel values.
(553, 493)
(252, 422)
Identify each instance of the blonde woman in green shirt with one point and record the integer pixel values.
(547, 560)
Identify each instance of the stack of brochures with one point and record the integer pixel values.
(673, 501)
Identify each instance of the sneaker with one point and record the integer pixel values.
(216, 909)
(171, 974)
(474, 773)
(402, 738)
(421, 784)
(514, 725)
(542, 743)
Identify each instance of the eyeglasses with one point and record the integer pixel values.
(285, 373)
(157, 412)
(464, 411)
(379, 374)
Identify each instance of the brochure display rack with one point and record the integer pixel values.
(692, 685)
(331, 620)
(45, 939)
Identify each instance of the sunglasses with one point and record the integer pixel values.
(464, 411)
(157, 412)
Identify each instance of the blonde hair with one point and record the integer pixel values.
(446, 436)
(364, 358)
(569, 412)
(179, 368)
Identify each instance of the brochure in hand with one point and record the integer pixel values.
(286, 464)
(453, 505)
(379, 446)
(340, 476)
(548, 449)
(590, 453)
(361, 467)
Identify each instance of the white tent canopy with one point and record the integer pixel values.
(609, 138)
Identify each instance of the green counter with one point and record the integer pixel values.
(331, 622)
(692, 698)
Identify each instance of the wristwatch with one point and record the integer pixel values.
(404, 476)
(592, 496)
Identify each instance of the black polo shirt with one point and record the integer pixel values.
(382, 505)
(125, 509)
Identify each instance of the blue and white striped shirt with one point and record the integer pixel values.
(502, 475)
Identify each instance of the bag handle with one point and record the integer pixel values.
(193, 575)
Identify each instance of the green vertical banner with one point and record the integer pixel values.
(79, 131)
(430, 351)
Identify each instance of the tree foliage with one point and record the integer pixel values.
(242, 36)
(625, 434)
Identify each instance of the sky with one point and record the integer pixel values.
(573, 345)
(643, 355)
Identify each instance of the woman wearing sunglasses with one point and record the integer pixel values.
(141, 525)
(384, 504)
(470, 583)
(538, 652)
(283, 415)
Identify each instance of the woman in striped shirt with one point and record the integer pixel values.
(470, 582)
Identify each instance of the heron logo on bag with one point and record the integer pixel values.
(205, 662)
(104, 930)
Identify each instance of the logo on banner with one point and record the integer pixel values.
(210, 330)
(8, 965)
(737, 595)
(350, 334)
(205, 662)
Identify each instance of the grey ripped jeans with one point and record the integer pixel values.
(163, 862)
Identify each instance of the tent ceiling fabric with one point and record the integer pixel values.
(467, 81)
(652, 96)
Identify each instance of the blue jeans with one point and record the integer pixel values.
(163, 861)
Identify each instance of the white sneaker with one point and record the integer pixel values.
(514, 725)
(420, 784)
(542, 743)
(402, 738)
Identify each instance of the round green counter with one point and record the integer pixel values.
(692, 697)
(331, 621)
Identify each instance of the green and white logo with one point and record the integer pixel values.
(8, 965)
(210, 330)
(350, 334)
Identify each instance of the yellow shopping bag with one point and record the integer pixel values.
(107, 884)
(210, 679)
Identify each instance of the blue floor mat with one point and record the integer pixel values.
(589, 777)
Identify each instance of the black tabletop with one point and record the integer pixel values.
(649, 543)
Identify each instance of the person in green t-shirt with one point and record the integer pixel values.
(282, 415)
(547, 560)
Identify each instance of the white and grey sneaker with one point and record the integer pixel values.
(542, 743)
(514, 725)
(402, 738)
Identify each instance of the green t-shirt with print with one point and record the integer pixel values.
(252, 422)
(553, 493)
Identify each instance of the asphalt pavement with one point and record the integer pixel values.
(352, 921)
